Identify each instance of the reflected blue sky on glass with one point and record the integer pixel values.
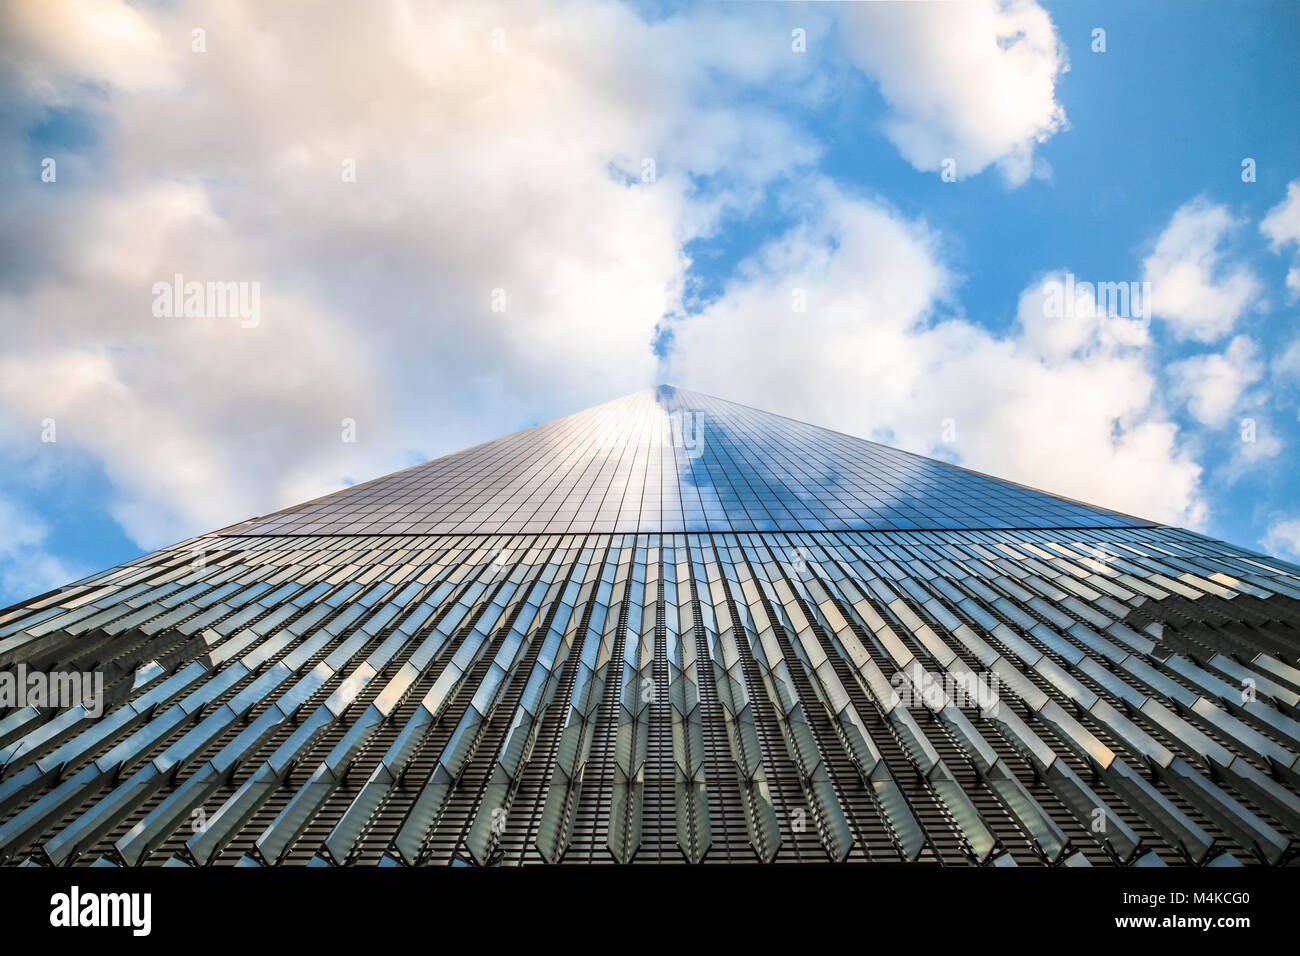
(672, 460)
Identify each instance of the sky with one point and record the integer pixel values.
(416, 227)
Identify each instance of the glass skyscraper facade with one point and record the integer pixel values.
(667, 629)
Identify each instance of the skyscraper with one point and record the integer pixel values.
(667, 628)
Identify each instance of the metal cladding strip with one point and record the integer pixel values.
(820, 591)
(115, 619)
(372, 795)
(27, 824)
(1275, 582)
(1113, 834)
(108, 811)
(1043, 833)
(790, 599)
(1261, 673)
(967, 600)
(1223, 808)
(1189, 670)
(288, 825)
(680, 650)
(1141, 574)
(537, 574)
(1262, 676)
(1220, 559)
(137, 842)
(18, 724)
(1174, 825)
(1093, 582)
(1191, 571)
(830, 596)
(51, 766)
(1179, 651)
(26, 616)
(44, 634)
(117, 804)
(976, 836)
(1261, 694)
(166, 652)
(215, 831)
(79, 649)
(342, 839)
(205, 844)
(1183, 556)
(636, 690)
(54, 732)
(494, 808)
(753, 621)
(555, 830)
(1090, 564)
(1085, 591)
(1279, 760)
(478, 577)
(733, 701)
(1169, 572)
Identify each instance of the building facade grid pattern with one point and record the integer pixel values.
(667, 629)
(691, 697)
(666, 459)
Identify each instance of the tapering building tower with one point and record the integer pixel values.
(668, 628)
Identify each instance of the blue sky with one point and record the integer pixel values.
(498, 149)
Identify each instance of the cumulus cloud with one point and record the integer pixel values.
(1284, 538)
(540, 159)
(1193, 285)
(26, 568)
(197, 422)
(532, 158)
(1286, 364)
(1213, 385)
(1068, 404)
(1255, 443)
(1282, 227)
(973, 81)
(109, 43)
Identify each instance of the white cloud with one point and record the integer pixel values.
(1283, 538)
(476, 170)
(1193, 287)
(1282, 227)
(26, 568)
(520, 170)
(1286, 364)
(1255, 442)
(59, 43)
(973, 81)
(1213, 385)
(1070, 406)
(195, 421)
